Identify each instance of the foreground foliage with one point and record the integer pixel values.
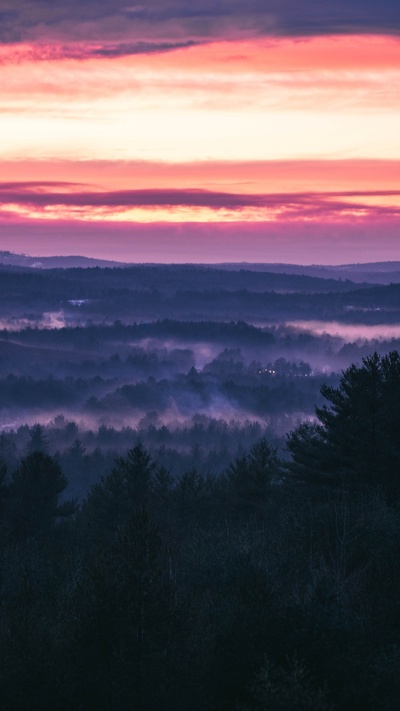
(356, 443)
(269, 587)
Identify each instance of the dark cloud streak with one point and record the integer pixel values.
(311, 204)
(162, 25)
(121, 50)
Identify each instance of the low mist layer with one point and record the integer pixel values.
(143, 351)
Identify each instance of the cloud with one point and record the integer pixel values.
(259, 177)
(34, 184)
(120, 50)
(160, 25)
(92, 50)
(295, 205)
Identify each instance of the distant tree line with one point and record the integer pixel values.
(192, 293)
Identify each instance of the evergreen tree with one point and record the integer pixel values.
(33, 503)
(125, 489)
(3, 496)
(250, 477)
(38, 439)
(356, 441)
(123, 605)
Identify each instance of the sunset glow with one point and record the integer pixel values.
(228, 128)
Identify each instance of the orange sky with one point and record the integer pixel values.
(261, 130)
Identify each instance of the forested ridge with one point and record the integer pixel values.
(270, 585)
(189, 292)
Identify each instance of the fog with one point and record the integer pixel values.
(349, 333)
(114, 356)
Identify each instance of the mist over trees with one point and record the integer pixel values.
(107, 345)
(199, 493)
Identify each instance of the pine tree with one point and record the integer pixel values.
(356, 441)
(250, 477)
(33, 506)
(125, 489)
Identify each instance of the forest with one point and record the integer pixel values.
(199, 489)
(273, 585)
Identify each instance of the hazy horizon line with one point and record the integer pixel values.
(233, 262)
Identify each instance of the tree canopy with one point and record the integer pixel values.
(356, 440)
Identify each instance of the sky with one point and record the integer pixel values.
(173, 131)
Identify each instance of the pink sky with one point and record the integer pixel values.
(256, 149)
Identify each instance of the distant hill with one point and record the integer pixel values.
(24, 260)
(371, 273)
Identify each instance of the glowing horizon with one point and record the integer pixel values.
(258, 130)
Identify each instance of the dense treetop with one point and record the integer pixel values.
(271, 585)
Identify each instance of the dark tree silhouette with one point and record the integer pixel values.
(3, 493)
(125, 489)
(38, 439)
(356, 441)
(33, 503)
(250, 477)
